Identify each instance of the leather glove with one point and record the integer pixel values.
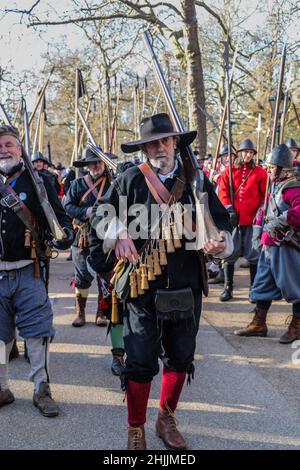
(65, 243)
(278, 224)
(256, 236)
(233, 216)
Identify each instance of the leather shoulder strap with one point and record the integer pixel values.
(156, 187)
(93, 187)
(11, 200)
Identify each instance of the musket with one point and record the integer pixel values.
(276, 114)
(258, 129)
(38, 184)
(285, 105)
(49, 152)
(56, 230)
(115, 120)
(188, 158)
(226, 56)
(278, 97)
(39, 99)
(217, 152)
(81, 132)
(213, 122)
(296, 113)
(92, 145)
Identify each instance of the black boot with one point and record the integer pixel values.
(218, 279)
(117, 365)
(14, 353)
(228, 285)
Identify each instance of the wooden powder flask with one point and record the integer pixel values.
(162, 253)
(114, 308)
(156, 265)
(133, 285)
(144, 277)
(27, 243)
(176, 239)
(139, 281)
(169, 241)
(150, 266)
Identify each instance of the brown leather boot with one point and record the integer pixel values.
(101, 319)
(44, 402)
(6, 397)
(80, 310)
(258, 325)
(166, 429)
(136, 438)
(293, 331)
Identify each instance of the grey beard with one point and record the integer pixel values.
(6, 165)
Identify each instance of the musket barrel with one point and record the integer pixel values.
(278, 97)
(108, 162)
(169, 100)
(94, 147)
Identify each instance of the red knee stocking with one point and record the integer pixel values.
(171, 386)
(137, 398)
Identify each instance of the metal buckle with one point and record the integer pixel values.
(10, 201)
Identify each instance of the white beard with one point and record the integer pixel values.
(7, 165)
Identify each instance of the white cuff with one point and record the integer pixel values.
(114, 229)
(228, 249)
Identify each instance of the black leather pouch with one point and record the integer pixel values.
(174, 304)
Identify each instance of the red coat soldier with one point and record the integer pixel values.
(249, 187)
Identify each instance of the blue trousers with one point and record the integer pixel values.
(277, 275)
(24, 304)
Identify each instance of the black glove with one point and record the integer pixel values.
(233, 216)
(66, 242)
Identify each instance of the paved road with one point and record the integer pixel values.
(245, 394)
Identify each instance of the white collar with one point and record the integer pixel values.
(168, 175)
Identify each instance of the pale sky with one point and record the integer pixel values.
(23, 47)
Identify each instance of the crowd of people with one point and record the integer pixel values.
(149, 298)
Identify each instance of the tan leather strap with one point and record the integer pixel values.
(19, 207)
(158, 190)
(93, 187)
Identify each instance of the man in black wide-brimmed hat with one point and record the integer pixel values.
(79, 201)
(161, 316)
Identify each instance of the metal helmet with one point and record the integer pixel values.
(38, 156)
(247, 144)
(224, 151)
(281, 156)
(292, 144)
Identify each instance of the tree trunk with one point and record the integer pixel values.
(196, 94)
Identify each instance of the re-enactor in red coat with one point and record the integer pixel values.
(249, 187)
